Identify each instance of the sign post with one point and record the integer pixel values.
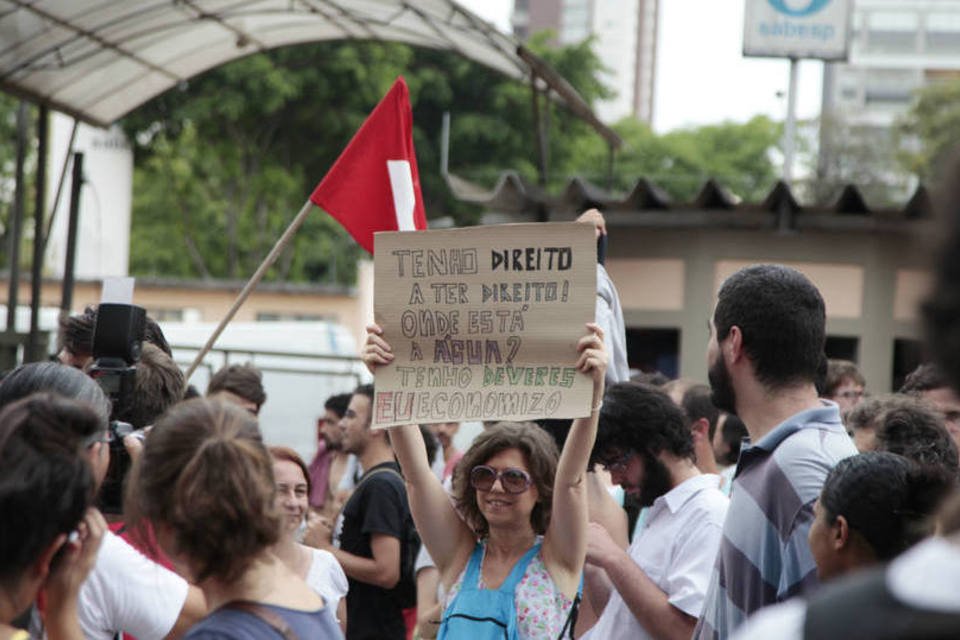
(796, 29)
(484, 322)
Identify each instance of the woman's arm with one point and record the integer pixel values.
(443, 531)
(565, 543)
(429, 609)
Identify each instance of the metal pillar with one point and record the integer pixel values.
(34, 352)
(16, 223)
(790, 126)
(66, 300)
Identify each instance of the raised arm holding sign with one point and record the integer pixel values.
(527, 508)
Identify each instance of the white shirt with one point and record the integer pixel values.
(676, 549)
(926, 576)
(126, 591)
(326, 577)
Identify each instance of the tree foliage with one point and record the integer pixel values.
(930, 131)
(223, 163)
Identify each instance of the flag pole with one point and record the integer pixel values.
(278, 248)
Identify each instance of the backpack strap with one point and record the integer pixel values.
(270, 618)
(571, 622)
(374, 472)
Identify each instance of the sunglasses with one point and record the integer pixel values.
(482, 478)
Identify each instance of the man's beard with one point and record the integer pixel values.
(656, 480)
(721, 388)
(330, 444)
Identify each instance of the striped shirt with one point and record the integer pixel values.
(764, 554)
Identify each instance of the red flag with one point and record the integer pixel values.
(374, 185)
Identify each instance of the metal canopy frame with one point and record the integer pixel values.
(97, 60)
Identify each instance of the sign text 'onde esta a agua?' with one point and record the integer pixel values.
(484, 322)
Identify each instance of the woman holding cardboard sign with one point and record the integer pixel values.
(511, 550)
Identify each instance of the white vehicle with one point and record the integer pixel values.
(303, 363)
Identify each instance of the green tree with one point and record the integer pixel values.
(735, 154)
(224, 163)
(931, 129)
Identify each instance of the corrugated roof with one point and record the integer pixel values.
(648, 205)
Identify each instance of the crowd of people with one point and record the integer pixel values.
(777, 499)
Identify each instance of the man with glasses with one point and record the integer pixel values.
(656, 587)
(844, 385)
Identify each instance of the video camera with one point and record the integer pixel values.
(117, 342)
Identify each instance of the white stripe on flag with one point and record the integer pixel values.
(401, 184)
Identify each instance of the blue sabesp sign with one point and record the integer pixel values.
(812, 7)
(796, 28)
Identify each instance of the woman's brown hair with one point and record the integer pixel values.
(206, 475)
(539, 452)
(287, 454)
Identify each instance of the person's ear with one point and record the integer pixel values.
(840, 530)
(733, 345)
(41, 567)
(701, 429)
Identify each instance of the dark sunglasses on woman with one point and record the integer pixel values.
(482, 478)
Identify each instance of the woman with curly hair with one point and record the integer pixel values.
(511, 550)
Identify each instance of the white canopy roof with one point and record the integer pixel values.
(100, 59)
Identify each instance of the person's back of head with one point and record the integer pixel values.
(641, 419)
(914, 430)
(57, 378)
(650, 378)
(241, 384)
(158, 385)
(782, 319)
(885, 498)
(732, 432)
(46, 484)
(206, 476)
(698, 405)
(925, 377)
(76, 337)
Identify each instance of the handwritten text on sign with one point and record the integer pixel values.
(484, 322)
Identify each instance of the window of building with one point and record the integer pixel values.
(652, 350)
(575, 21)
(907, 356)
(893, 31)
(942, 35)
(166, 315)
(283, 316)
(843, 348)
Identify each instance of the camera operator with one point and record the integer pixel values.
(76, 338)
(125, 591)
(157, 385)
(239, 384)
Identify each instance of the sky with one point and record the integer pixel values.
(702, 76)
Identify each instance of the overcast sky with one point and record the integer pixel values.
(702, 76)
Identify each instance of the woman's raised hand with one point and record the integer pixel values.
(376, 351)
(593, 354)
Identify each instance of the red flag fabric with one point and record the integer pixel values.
(374, 185)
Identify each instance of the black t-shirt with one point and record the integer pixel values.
(378, 506)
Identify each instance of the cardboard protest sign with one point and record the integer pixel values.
(484, 322)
